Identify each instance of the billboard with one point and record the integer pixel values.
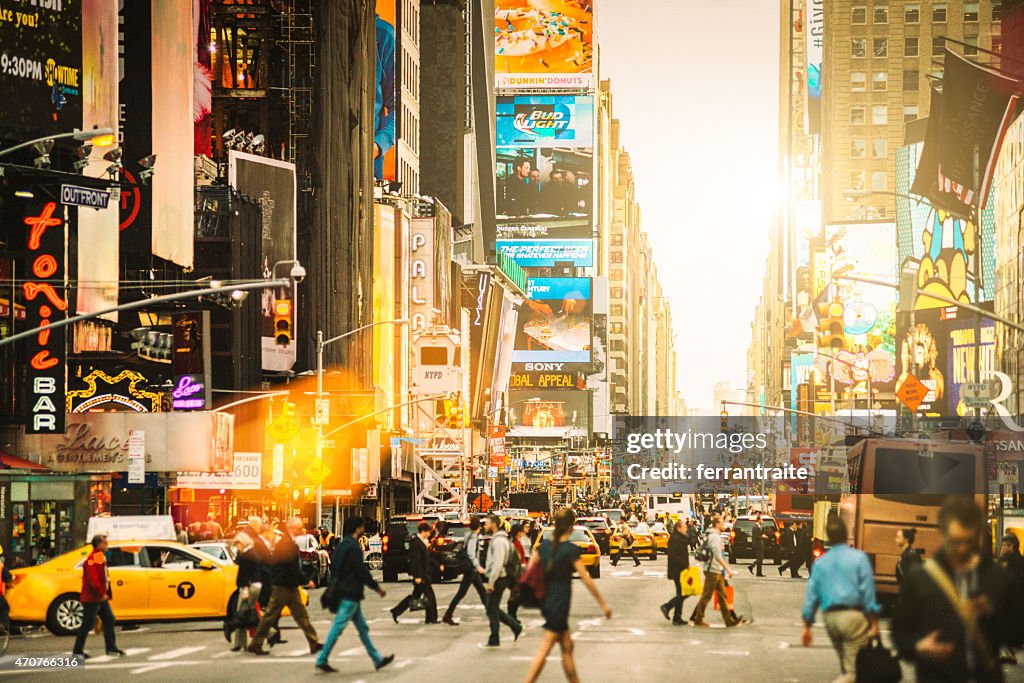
(939, 350)
(543, 44)
(555, 322)
(41, 67)
(535, 253)
(814, 34)
(273, 182)
(551, 413)
(545, 155)
(385, 101)
(942, 249)
(563, 229)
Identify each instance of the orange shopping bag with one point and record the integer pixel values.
(730, 597)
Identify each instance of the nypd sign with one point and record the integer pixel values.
(74, 195)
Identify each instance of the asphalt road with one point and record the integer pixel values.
(636, 644)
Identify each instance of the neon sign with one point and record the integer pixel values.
(125, 391)
(189, 393)
(47, 352)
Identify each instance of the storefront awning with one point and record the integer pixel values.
(13, 462)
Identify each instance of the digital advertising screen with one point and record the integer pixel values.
(545, 155)
(538, 253)
(548, 413)
(555, 323)
(543, 44)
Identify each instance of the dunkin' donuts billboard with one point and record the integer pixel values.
(543, 44)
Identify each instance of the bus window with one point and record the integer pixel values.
(900, 471)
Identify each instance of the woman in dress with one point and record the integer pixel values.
(560, 559)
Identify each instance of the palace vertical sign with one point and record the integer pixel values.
(421, 280)
(45, 304)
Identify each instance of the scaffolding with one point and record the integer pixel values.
(297, 39)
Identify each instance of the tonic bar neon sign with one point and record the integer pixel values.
(43, 305)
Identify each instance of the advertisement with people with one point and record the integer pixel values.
(555, 322)
(543, 44)
(545, 155)
(548, 413)
(539, 253)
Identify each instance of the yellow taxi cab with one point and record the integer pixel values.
(581, 537)
(150, 581)
(643, 540)
(661, 534)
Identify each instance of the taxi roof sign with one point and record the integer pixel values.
(133, 528)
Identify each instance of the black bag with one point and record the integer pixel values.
(417, 604)
(513, 565)
(330, 599)
(247, 618)
(875, 664)
(703, 553)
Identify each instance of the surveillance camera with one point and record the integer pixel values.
(298, 272)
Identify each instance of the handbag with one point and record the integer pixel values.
(691, 581)
(875, 664)
(703, 553)
(533, 583)
(417, 604)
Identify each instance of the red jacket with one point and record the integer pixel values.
(95, 582)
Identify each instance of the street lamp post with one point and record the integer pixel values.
(320, 344)
(81, 135)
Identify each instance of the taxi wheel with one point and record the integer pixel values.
(595, 571)
(654, 554)
(64, 615)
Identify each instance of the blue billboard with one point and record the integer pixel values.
(537, 253)
(545, 121)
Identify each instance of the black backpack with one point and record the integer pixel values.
(513, 565)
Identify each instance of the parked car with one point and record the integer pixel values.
(740, 545)
(395, 548)
(643, 540)
(314, 561)
(582, 537)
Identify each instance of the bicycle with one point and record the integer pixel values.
(5, 624)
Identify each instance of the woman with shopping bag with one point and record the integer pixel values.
(686, 582)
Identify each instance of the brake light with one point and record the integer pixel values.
(777, 535)
(384, 543)
(732, 536)
(818, 552)
(16, 579)
(591, 549)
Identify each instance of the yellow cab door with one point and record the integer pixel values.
(184, 584)
(129, 584)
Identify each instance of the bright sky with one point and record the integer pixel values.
(695, 85)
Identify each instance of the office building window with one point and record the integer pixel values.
(912, 14)
(939, 13)
(858, 81)
(857, 180)
(857, 116)
(879, 148)
(880, 15)
(938, 46)
(879, 115)
(858, 14)
(970, 46)
(617, 239)
(616, 256)
(878, 181)
(879, 81)
(858, 150)
(910, 47)
(997, 44)
(881, 47)
(910, 112)
(970, 11)
(858, 47)
(997, 11)
(911, 81)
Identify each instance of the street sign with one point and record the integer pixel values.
(283, 429)
(975, 394)
(322, 412)
(912, 392)
(136, 456)
(370, 491)
(317, 471)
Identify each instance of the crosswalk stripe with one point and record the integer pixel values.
(151, 667)
(180, 652)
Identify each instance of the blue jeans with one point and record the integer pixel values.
(349, 610)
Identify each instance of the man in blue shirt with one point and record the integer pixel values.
(843, 586)
(384, 100)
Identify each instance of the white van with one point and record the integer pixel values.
(679, 504)
(761, 504)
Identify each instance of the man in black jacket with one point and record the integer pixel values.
(955, 609)
(344, 594)
(419, 567)
(251, 554)
(678, 561)
(757, 539)
(286, 577)
(788, 548)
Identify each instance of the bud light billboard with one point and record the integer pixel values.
(545, 121)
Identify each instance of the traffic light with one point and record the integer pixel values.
(283, 322)
(455, 412)
(724, 416)
(830, 327)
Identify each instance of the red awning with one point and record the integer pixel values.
(13, 462)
